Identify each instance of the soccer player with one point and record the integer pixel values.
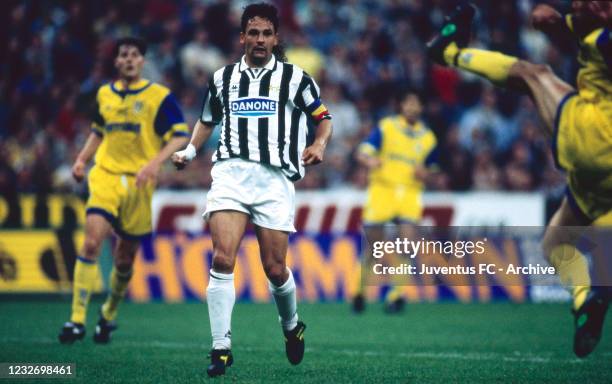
(262, 105)
(399, 153)
(580, 122)
(137, 125)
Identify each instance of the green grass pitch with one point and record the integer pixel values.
(428, 343)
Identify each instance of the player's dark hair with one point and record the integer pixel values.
(263, 10)
(268, 12)
(137, 42)
(402, 93)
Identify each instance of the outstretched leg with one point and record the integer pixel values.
(546, 89)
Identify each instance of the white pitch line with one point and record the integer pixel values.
(514, 357)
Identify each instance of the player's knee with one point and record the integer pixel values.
(124, 261)
(123, 267)
(91, 248)
(526, 69)
(222, 262)
(549, 242)
(275, 272)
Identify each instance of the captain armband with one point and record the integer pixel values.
(320, 113)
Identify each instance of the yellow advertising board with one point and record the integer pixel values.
(38, 261)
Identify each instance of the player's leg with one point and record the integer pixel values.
(589, 304)
(273, 247)
(97, 228)
(124, 256)
(379, 209)
(559, 246)
(227, 229)
(448, 48)
(395, 300)
(409, 213)
(373, 232)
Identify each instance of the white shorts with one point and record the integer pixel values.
(262, 192)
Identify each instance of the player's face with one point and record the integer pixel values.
(258, 40)
(411, 108)
(129, 62)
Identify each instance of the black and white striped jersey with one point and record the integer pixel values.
(263, 113)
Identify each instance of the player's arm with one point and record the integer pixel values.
(93, 141)
(548, 20)
(430, 168)
(201, 134)
(212, 114)
(89, 149)
(367, 152)
(170, 125)
(308, 99)
(151, 170)
(313, 154)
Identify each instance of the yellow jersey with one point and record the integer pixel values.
(134, 124)
(594, 80)
(401, 147)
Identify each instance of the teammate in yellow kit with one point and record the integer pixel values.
(398, 153)
(580, 122)
(137, 125)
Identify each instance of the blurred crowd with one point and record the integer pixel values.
(57, 53)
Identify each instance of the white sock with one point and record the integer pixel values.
(286, 302)
(221, 296)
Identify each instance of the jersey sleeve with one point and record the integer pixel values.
(604, 45)
(373, 143)
(433, 157)
(308, 99)
(97, 120)
(212, 110)
(169, 121)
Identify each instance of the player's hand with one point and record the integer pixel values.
(420, 173)
(78, 170)
(372, 162)
(544, 17)
(180, 159)
(147, 173)
(313, 154)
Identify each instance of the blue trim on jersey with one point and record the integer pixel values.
(604, 44)
(556, 128)
(102, 212)
(574, 206)
(128, 91)
(375, 138)
(433, 157)
(86, 261)
(313, 106)
(181, 134)
(168, 114)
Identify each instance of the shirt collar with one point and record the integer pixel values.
(271, 65)
(406, 126)
(137, 86)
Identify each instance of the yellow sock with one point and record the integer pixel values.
(492, 65)
(573, 270)
(450, 53)
(119, 282)
(85, 274)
